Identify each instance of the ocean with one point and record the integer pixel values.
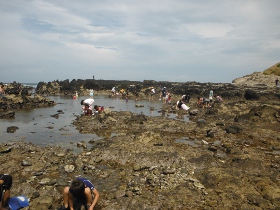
(33, 85)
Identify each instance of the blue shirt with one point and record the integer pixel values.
(86, 182)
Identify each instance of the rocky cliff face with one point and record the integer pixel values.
(256, 79)
(266, 78)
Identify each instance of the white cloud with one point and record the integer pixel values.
(137, 40)
(210, 30)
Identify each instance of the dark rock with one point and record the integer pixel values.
(7, 115)
(12, 129)
(251, 95)
(55, 116)
(210, 133)
(233, 129)
(6, 150)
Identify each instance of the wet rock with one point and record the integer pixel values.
(7, 115)
(13, 101)
(82, 144)
(55, 116)
(12, 129)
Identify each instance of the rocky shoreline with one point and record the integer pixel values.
(225, 157)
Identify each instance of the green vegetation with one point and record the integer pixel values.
(273, 70)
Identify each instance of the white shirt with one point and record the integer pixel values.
(89, 101)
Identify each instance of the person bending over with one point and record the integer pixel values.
(6, 180)
(80, 194)
(182, 105)
(87, 106)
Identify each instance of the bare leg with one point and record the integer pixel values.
(5, 198)
(88, 196)
(65, 196)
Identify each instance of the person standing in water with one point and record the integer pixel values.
(91, 93)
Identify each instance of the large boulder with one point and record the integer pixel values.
(251, 95)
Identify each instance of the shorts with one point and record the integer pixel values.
(79, 202)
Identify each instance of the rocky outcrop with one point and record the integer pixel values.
(17, 89)
(9, 114)
(12, 101)
(265, 78)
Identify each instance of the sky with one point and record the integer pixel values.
(162, 40)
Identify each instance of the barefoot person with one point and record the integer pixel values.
(80, 193)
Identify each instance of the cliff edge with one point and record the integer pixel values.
(267, 77)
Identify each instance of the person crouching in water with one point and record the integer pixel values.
(80, 194)
(87, 106)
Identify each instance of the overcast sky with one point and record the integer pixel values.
(162, 40)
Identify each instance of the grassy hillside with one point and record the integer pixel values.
(273, 70)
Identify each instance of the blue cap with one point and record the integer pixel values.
(18, 202)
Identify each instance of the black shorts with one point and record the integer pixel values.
(79, 202)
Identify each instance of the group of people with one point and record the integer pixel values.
(81, 192)
(126, 93)
(165, 96)
(203, 102)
